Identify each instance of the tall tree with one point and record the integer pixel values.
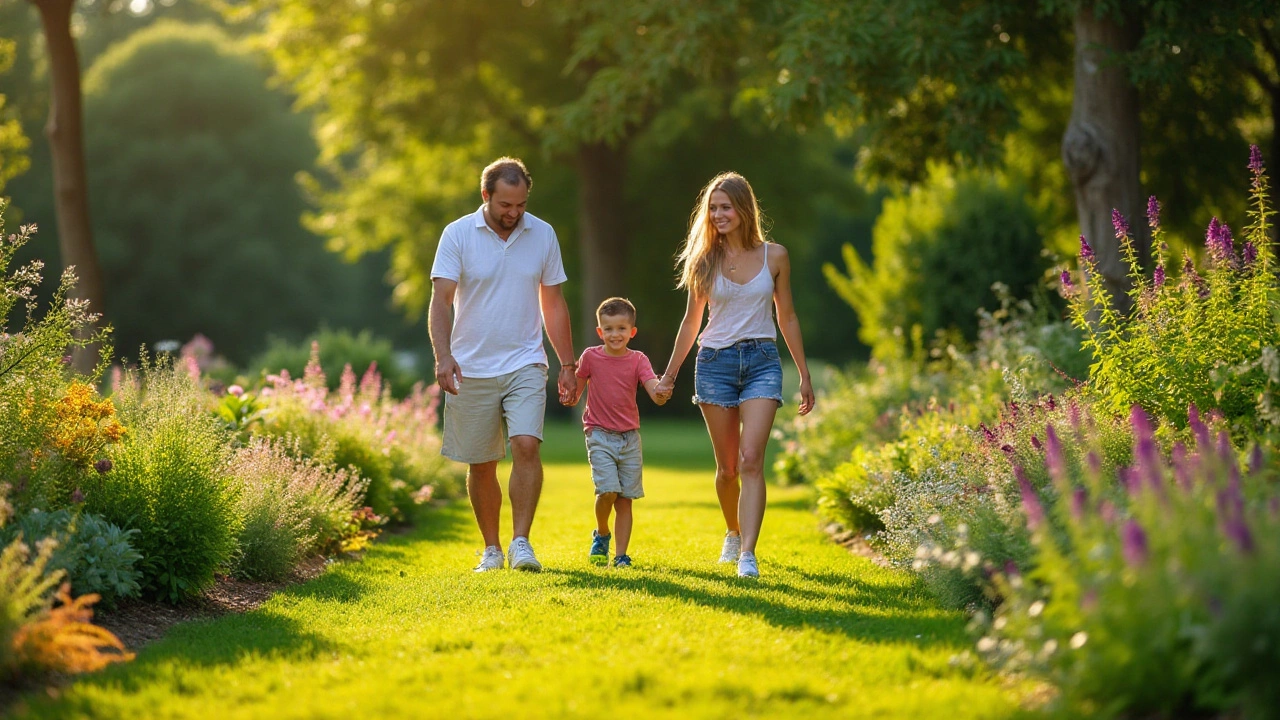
(65, 131)
(424, 91)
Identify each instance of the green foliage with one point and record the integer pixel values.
(338, 349)
(1210, 340)
(33, 372)
(936, 253)
(291, 508)
(195, 204)
(13, 143)
(26, 583)
(1152, 600)
(94, 554)
(168, 481)
(392, 444)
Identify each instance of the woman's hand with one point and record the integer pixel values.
(666, 386)
(806, 396)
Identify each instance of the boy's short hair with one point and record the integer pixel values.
(616, 307)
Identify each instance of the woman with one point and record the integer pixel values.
(728, 264)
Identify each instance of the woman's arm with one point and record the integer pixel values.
(684, 341)
(789, 324)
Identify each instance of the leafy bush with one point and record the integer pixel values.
(936, 252)
(291, 508)
(168, 481)
(394, 445)
(94, 554)
(34, 374)
(1209, 340)
(25, 584)
(64, 640)
(338, 349)
(1161, 602)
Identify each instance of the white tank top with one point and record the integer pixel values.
(740, 311)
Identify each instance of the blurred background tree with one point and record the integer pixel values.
(835, 111)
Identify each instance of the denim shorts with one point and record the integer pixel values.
(746, 370)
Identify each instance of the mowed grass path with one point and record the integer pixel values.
(410, 631)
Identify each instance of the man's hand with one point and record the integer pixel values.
(448, 374)
(568, 383)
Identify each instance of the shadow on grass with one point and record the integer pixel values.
(832, 603)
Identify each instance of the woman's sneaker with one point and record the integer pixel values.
(747, 565)
(732, 547)
(599, 548)
(622, 561)
(521, 553)
(491, 559)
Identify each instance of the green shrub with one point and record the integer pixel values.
(291, 508)
(1209, 340)
(936, 253)
(392, 444)
(26, 583)
(338, 349)
(1158, 600)
(169, 481)
(94, 554)
(34, 373)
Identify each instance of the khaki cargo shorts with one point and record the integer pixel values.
(474, 417)
(617, 462)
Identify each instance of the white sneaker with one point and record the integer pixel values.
(491, 560)
(522, 556)
(732, 547)
(747, 566)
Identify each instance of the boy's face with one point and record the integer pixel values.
(616, 331)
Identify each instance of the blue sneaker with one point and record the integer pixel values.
(599, 548)
(622, 561)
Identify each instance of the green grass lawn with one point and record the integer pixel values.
(411, 631)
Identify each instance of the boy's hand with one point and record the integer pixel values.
(666, 386)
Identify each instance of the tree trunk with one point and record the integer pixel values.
(603, 238)
(66, 144)
(1100, 147)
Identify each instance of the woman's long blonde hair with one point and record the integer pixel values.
(703, 248)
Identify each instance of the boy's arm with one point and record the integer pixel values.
(651, 386)
(580, 388)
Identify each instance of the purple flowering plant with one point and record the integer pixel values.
(1152, 589)
(1200, 340)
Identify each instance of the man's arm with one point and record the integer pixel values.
(555, 316)
(440, 327)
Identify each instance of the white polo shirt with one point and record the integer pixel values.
(497, 320)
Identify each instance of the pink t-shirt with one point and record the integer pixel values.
(611, 395)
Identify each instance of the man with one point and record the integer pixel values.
(496, 268)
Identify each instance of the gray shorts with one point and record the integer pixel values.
(473, 418)
(616, 462)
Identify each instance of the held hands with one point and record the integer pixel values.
(568, 384)
(666, 386)
(448, 374)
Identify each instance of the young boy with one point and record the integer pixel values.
(612, 423)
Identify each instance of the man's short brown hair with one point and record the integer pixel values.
(507, 169)
(616, 307)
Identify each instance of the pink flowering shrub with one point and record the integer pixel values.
(393, 444)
